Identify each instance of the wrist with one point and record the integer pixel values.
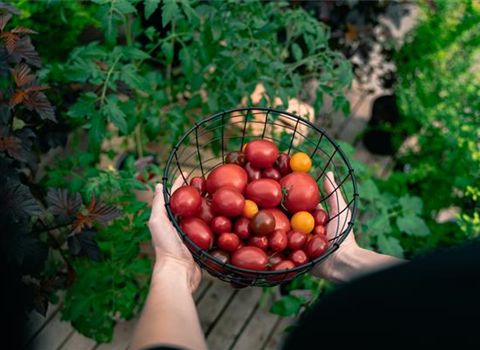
(170, 272)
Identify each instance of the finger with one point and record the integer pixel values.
(335, 197)
(158, 206)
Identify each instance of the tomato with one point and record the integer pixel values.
(259, 242)
(319, 229)
(198, 231)
(265, 192)
(303, 221)
(296, 240)
(250, 209)
(317, 246)
(228, 241)
(298, 257)
(206, 212)
(263, 223)
(223, 257)
(283, 164)
(301, 162)
(321, 217)
(236, 157)
(185, 201)
(244, 146)
(228, 201)
(278, 240)
(283, 265)
(281, 220)
(302, 192)
(261, 153)
(227, 175)
(242, 228)
(271, 173)
(221, 224)
(253, 172)
(276, 258)
(251, 258)
(200, 184)
(240, 245)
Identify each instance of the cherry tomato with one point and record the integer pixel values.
(200, 184)
(228, 201)
(251, 258)
(320, 216)
(298, 257)
(303, 221)
(244, 146)
(206, 212)
(221, 224)
(236, 157)
(227, 175)
(259, 242)
(302, 192)
(185, 201)
(241, 245)
(278, 240)
(242, 228)
(296, 240)
(283, 164)
(283, 265)
(319, 229)
(317, 246)
(271, 173)
(198, 231)
(281, 220)
(228, 241)
(263, 223)
(275, 258)
(301, 162)
(223, 258)
(250, 209)
(253, 172)
(265, 192)
(261, 153)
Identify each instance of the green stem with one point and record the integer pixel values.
(107, 79)
(138, 139)
(128, 30)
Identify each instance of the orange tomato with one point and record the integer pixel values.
(250, 209)
(244, 146)
(303, 221)
(300, 162)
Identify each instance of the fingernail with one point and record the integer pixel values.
(158, 188)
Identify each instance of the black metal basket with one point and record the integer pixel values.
(230, 130)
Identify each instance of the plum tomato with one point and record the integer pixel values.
(278, 240)
(302, 221)
(283, 265)
(296, 240)
(320, 216)
(319, 229)
(317, 246)
(300, 162)
(275, 258)
(236, 157)
(242, 228)
(228, 201)
(198, 231)
(251, 258)
(206, 212)
(298, 257)
(221, 224)
(264, 192)
(281, 220)
(222, 257)
(228, 241)
(271, 173)
(253, 173)
(261, 153)
(259, 242)
(302, 192)
(227, 175)
(263, 223)
(185, 201)
(200, 184)
(250, 209)
(283, 164)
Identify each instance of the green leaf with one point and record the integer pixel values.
(84, 106)
(192, 16)
(150, 7)
(112, 111)
(123, 7)
(130, 76)
(97, 131)
(167, 49)
(132, 53)
(170, 10)
(345, 75)
(297, 51)
(379, 224)
(390, 246)
(413, 225)
(369, 190)
(289, 305)
(411, 204)
(186, 61)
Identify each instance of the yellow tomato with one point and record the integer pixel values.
(303, 221)
(250, 209)
(300, 162)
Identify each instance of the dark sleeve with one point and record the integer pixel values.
(426, 301)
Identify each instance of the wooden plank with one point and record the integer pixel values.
(78, 341)
(37, 322)
(276, 338)
(53, 335)
(201, 290)
(231, 322)
(122, 336)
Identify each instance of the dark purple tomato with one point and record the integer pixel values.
(271, 173)
(200, 184)
(282, 222)
(253, 173)
(206, 212)
(263, 223)
(283, 164)
(236, 157)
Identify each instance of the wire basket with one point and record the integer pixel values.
(205, 146)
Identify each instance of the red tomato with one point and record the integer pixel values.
(198, 231)
(282, 222)
(271, 173)
(278, 240)
(282, 266)
(283, 164)
(185, 201)
(253, 172)
(200, 184)
(206, 212)
(302, 192)
(276, 258)
(228, 201)
(227, 175)
(251, 258)
(317, 246)
(221, 224)
(236, 157)
(242, 228)
(259, 242)
(240, 245)
(263, 223)
(320, 230)
(261, 153)
(320, 216)
(298, 257)
(223, 258)
(228, 241)
(296, 240)
(265, 192)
